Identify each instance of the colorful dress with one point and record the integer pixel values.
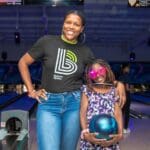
(99, 103)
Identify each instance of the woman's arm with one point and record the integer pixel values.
(23, 64)
(121, 93)
(119, 119)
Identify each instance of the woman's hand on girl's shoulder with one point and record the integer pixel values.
(120, 89)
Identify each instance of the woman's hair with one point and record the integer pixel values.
(81, 37)
(110, 77)
(78, 13)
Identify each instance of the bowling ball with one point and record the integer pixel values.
(104, 125)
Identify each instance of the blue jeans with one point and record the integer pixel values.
(58, 121)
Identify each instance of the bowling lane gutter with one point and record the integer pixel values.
(141, 99)
(7, 96)
(138, 115)
(23, 103)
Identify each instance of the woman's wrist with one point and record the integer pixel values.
(30, 93)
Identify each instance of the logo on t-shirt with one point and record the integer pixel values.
(65, 63)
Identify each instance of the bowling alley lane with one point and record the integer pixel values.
(140, 109)
(139, 137)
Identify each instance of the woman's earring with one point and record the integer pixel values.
(82, 37)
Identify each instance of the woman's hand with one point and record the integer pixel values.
(122, 94)
(38, 95)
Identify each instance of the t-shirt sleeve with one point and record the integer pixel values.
(37, 50)
(90, 57)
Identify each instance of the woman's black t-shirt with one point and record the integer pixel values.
(63, 64)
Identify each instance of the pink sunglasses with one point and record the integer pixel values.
(93, 74)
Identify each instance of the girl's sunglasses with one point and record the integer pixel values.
(93, 74)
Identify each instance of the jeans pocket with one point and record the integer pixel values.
(45, 100)
(77, 95)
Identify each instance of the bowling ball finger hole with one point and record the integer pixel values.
(13, 125)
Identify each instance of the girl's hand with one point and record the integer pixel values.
(115, 138)
(91, 137)
(38, 95)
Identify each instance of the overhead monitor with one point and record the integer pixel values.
(54, 2)
(11, 2)
(42, 2)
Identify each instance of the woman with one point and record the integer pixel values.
(63, 61)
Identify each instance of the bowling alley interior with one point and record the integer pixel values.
(117, 31)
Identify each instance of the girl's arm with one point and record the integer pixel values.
(116, 137)
(119, 119)
(118, 116)
(83, 120)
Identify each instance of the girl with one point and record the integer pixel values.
(99, 96)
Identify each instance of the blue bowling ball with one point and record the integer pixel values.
(104, 125)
